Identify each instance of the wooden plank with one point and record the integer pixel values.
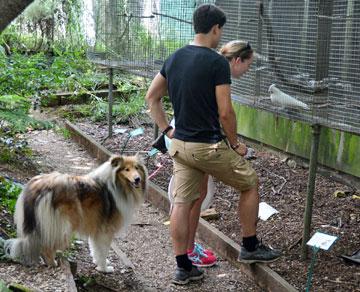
(93, 147)
(209, 214)
(69, 277)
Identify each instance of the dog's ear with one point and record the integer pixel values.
(116, 161)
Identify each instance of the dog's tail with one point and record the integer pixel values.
(40, 228)
(26, 248)
(23, 250)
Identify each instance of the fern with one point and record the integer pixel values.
(19, 122)
(11, 102)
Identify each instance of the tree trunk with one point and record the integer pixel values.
(10, 9)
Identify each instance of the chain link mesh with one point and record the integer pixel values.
(307, 48)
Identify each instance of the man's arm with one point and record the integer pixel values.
(155, 93)
(227, 116)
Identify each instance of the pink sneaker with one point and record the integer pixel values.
(201, 257)
(198, 246)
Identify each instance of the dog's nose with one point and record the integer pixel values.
(137, 180)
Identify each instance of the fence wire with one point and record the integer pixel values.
(307, 48)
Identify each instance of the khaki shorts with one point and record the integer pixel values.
(193, 160)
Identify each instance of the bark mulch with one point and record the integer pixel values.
(283, 185)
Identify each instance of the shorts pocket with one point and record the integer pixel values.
(238, 162)
(172, 150)
(210, 151)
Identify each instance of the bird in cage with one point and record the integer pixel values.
(283, 100)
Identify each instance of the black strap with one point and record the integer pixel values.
(167, 129)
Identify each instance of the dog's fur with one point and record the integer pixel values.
(97, 205)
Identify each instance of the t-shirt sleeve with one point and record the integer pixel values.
(222, 71)
(163, 70)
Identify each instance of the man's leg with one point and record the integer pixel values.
(195, 213)
(248, 210)
(179, 226)
(179, 229)
(252, 250)
(237, 172)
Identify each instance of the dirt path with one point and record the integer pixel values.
(142, 258)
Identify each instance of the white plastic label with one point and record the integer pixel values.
(266, 211)
(322, 240)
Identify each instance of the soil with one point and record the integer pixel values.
(50, 152)
(142, 257)
(283, 185)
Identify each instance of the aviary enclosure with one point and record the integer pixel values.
(307, 48)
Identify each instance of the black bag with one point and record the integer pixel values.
(159, 144)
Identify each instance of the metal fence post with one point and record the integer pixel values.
(259, 45)
(316, 129)
(110, 122)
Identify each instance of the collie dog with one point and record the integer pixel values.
(52, 207)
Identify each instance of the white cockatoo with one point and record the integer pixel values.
(282, 99)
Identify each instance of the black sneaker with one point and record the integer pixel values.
(262, 254)
(183, 277)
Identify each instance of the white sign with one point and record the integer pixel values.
(265, 211)
(322, 240)
(138, 131)
(120, 131)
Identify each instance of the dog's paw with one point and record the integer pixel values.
(107, 269)
(107, 262)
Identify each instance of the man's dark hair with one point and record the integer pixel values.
(206, 16)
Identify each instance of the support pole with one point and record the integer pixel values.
(110, 96)
(259, 45)
(316, 129)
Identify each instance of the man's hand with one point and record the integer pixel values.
(170, 133)
(241, 149)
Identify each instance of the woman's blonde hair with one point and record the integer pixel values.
(235, 49)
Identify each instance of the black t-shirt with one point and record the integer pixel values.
(192, 73)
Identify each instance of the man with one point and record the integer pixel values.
(197, 80)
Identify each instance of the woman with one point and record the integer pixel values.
(240, 56)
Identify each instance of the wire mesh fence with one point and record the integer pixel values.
(307, 48)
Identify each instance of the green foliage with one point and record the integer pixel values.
(28, 75)
(97, 109)
(40, 9)
(12, 148)
(85, 281)
(121, 110)
(130, 102)
(14, 109)
(3, 287)
(41, 75)
(46, 24)
(64, 132)
(14, 102)
(20, 122)
(9, 193)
